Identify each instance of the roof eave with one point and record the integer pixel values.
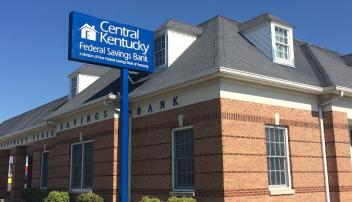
(26, 130)
(271, 81)
(83, 107)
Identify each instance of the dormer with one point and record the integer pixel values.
(83, 77)
(171, 40)
(272, 36)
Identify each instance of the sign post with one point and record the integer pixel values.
(124, 139)
(106, 43)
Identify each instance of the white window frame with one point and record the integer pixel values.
(81, 190)
(41, 170)
(173, 158)
(290, 57)
(277, 189)
(165, 33)
(71, 86)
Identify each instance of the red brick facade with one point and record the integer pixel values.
(4, 165)
(104, 135)
(229, 153)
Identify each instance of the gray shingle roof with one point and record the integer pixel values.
(266, 17)
(219, 44)
(89, 69)
(226, 47)
(338, 72)
(108, 83)
(348, 59)
(32, 118)
(180, 27)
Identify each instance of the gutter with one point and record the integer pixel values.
(271, 81)
(322, 139)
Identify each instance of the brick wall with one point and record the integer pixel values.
(338, 155)
(229, 150)
(4, 166)
(152, 153)
(245, 163)
(104, 134)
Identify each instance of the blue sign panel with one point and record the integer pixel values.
(107, 43)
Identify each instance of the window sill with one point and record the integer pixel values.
(189, 193)
(281, 191)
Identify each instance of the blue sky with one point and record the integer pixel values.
(34, 35)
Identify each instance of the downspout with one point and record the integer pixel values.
(322, 139)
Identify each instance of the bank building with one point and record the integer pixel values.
(236, 111)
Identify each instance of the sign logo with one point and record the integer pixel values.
(88, 32)
(108, 43)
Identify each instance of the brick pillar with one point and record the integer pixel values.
(4, 166)
(18, 172)
(338, 155)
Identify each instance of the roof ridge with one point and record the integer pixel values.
(316, 63)
(219, 42)
(319, 46)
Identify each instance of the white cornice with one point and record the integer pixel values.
(267, 80)
(26, 130)
(83, 107)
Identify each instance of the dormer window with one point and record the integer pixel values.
(282, 43)
(74, 82)
(160, 51)
(271, 35)
(281, 37)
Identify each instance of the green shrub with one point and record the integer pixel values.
(149, 199)
(182, 199)
(32, 195)
(89, 197)
(57, 196)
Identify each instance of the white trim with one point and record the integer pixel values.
(160, 34)
(290, 57)
(81, 190)
(27, 130)
(173, 157)
(271, 81)
(288, 183)
(281, 191)
(81, 108)
(41, 170)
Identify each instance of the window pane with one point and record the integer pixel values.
(73, 86)
(76, 168)
(183, 159)
(44, 171)
(160, 50)
(88, 165)
(277, 159)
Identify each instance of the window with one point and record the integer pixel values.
(183, 164)
(82, 166)
(160, 51)
(277, 156)
(74, 82)
(44, 170)
(281, 42)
